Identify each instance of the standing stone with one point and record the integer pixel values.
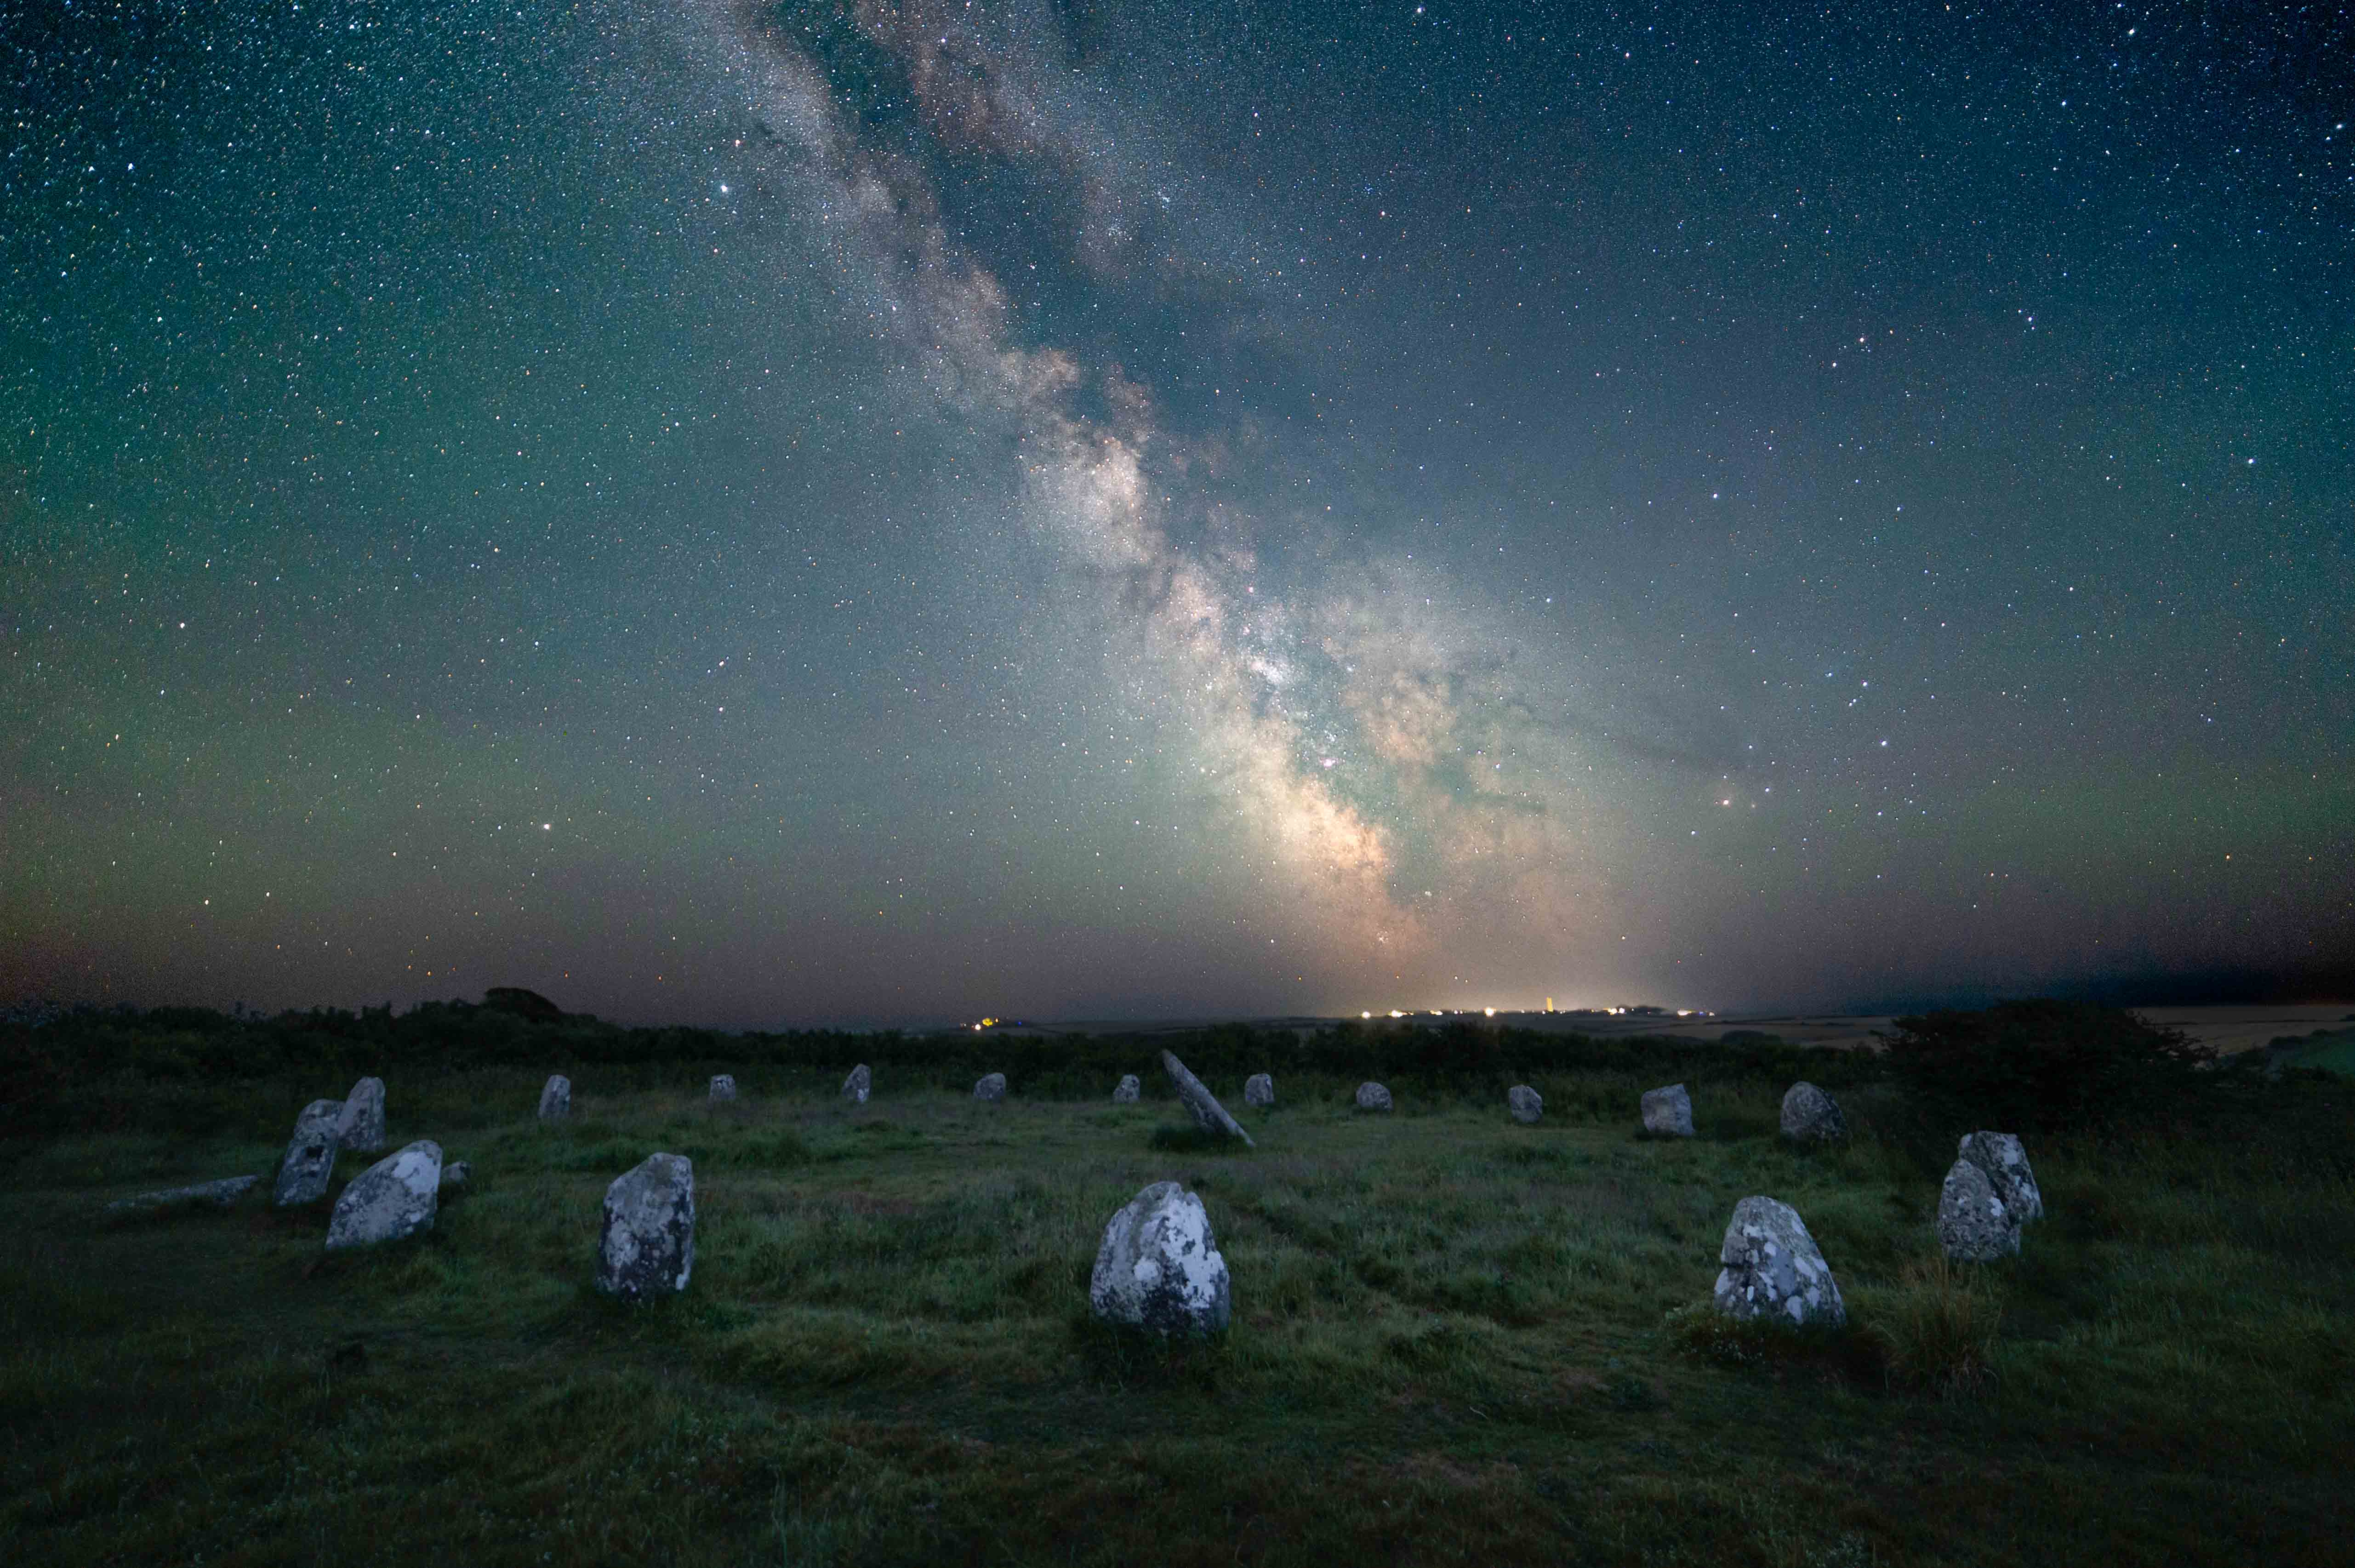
(362, 1127)
(310, 1160)
(990, 1086)
(1126, 1091)
(457, 1178)
(648, 1246)
(1667, 1113)
(221, 1194)
(1209, 1114)
(1259, 1090)
(556, 1098)
(1973, 1226)
(1812, 1117)
(1160, 1268)
(2006, 1165)
(723, 1086)
(1373, 1097)
(1527, 1104)
(1774, 1269)
(859, 1085)
(395, 1197)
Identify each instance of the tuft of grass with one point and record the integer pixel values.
(1936, 1327)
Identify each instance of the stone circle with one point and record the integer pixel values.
(1774, 1268)
(1259, 1090)
(394, 1198)
(859, 1085)
(1208, 1114)
(1810, 1115)
(1373, 1097)
(990, 1086)
(1158, 1268)
(1973, 1226)
(310, 1162)
(1526, 1104)
(2005, 1164)
(361, 1127)
(556, 1098)
(647, 1248)
(1126, 1092)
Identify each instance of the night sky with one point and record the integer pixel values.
(764, 515)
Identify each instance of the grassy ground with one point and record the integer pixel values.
(1455, 1339)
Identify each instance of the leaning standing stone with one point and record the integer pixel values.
(1774, 1269)
(723, 1086)
(362, 1127)
(1373, 1097)
(1810, 1115)
(1126, 1092)
(310, 1160)
(1160, 1268)
(395, 1197)
(1527, 1104)
(1973, 1226)
(1209, 1114)
(556, 1098)
(648, 1246)
(2006, 1165)
(859, 1085)
(990, 1086)
(1259, 1090)
(1667, 1113)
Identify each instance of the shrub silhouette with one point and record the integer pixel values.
(2042, 1065)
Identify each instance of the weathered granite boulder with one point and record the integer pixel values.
(556, 1098)
(1373, 1097)
(1126, 1091)
(1203, 1106)
(310, 1161)
(1259, 1090)
(1774, 1269)
(1973, 1226)
(1812, 1117)
(1160, 1268)
(648, 1246)
(723, 1086)
(990, 1086)
(220, 1194)
(1667, 1113)
(859, 1085)
(2000, 1156)
(361, 1126)
(395, 1197)
(457, 1179)
(1526, 1104)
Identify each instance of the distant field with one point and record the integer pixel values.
(1454, 1341)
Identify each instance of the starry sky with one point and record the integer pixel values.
(761, 514)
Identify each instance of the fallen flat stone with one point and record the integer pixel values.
(310, 1161)
(1667, 1113)
(1973, 1226)
(1774, 1269)
(647, 1248)
(221, 1194)
(362, 1127)
(396, 1197)
(1158, 1268)
(723, 1086)
(1373, 1097)
(1526, 1104)
(2005, 1164)
(859, 1085)
(1810, 1115)
(990, 1086)
(1126, 1091)
(1259, 1090)
(1209, 1114)
(556, 1098)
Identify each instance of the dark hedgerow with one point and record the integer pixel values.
(2044, 1065)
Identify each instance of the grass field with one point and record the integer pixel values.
(1456, 1339)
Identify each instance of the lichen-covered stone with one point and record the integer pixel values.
(1259, 1090)
(990, 1086)
(1203, 1106)
(361, 1127)
(1810, 1115)
(1158, 1268)
(396, 1197)
(556, 1098)
(2000, 1156)
(1973, 1226)
(1373, 1097)
(1127, 1090)
(1668, 1112)
(859, 1085)
(723, 1086)
(221, 1194)
(457, 1179)
(1774, 1268)
(310, 1161)
(1526, 1104)
(648, 1246)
